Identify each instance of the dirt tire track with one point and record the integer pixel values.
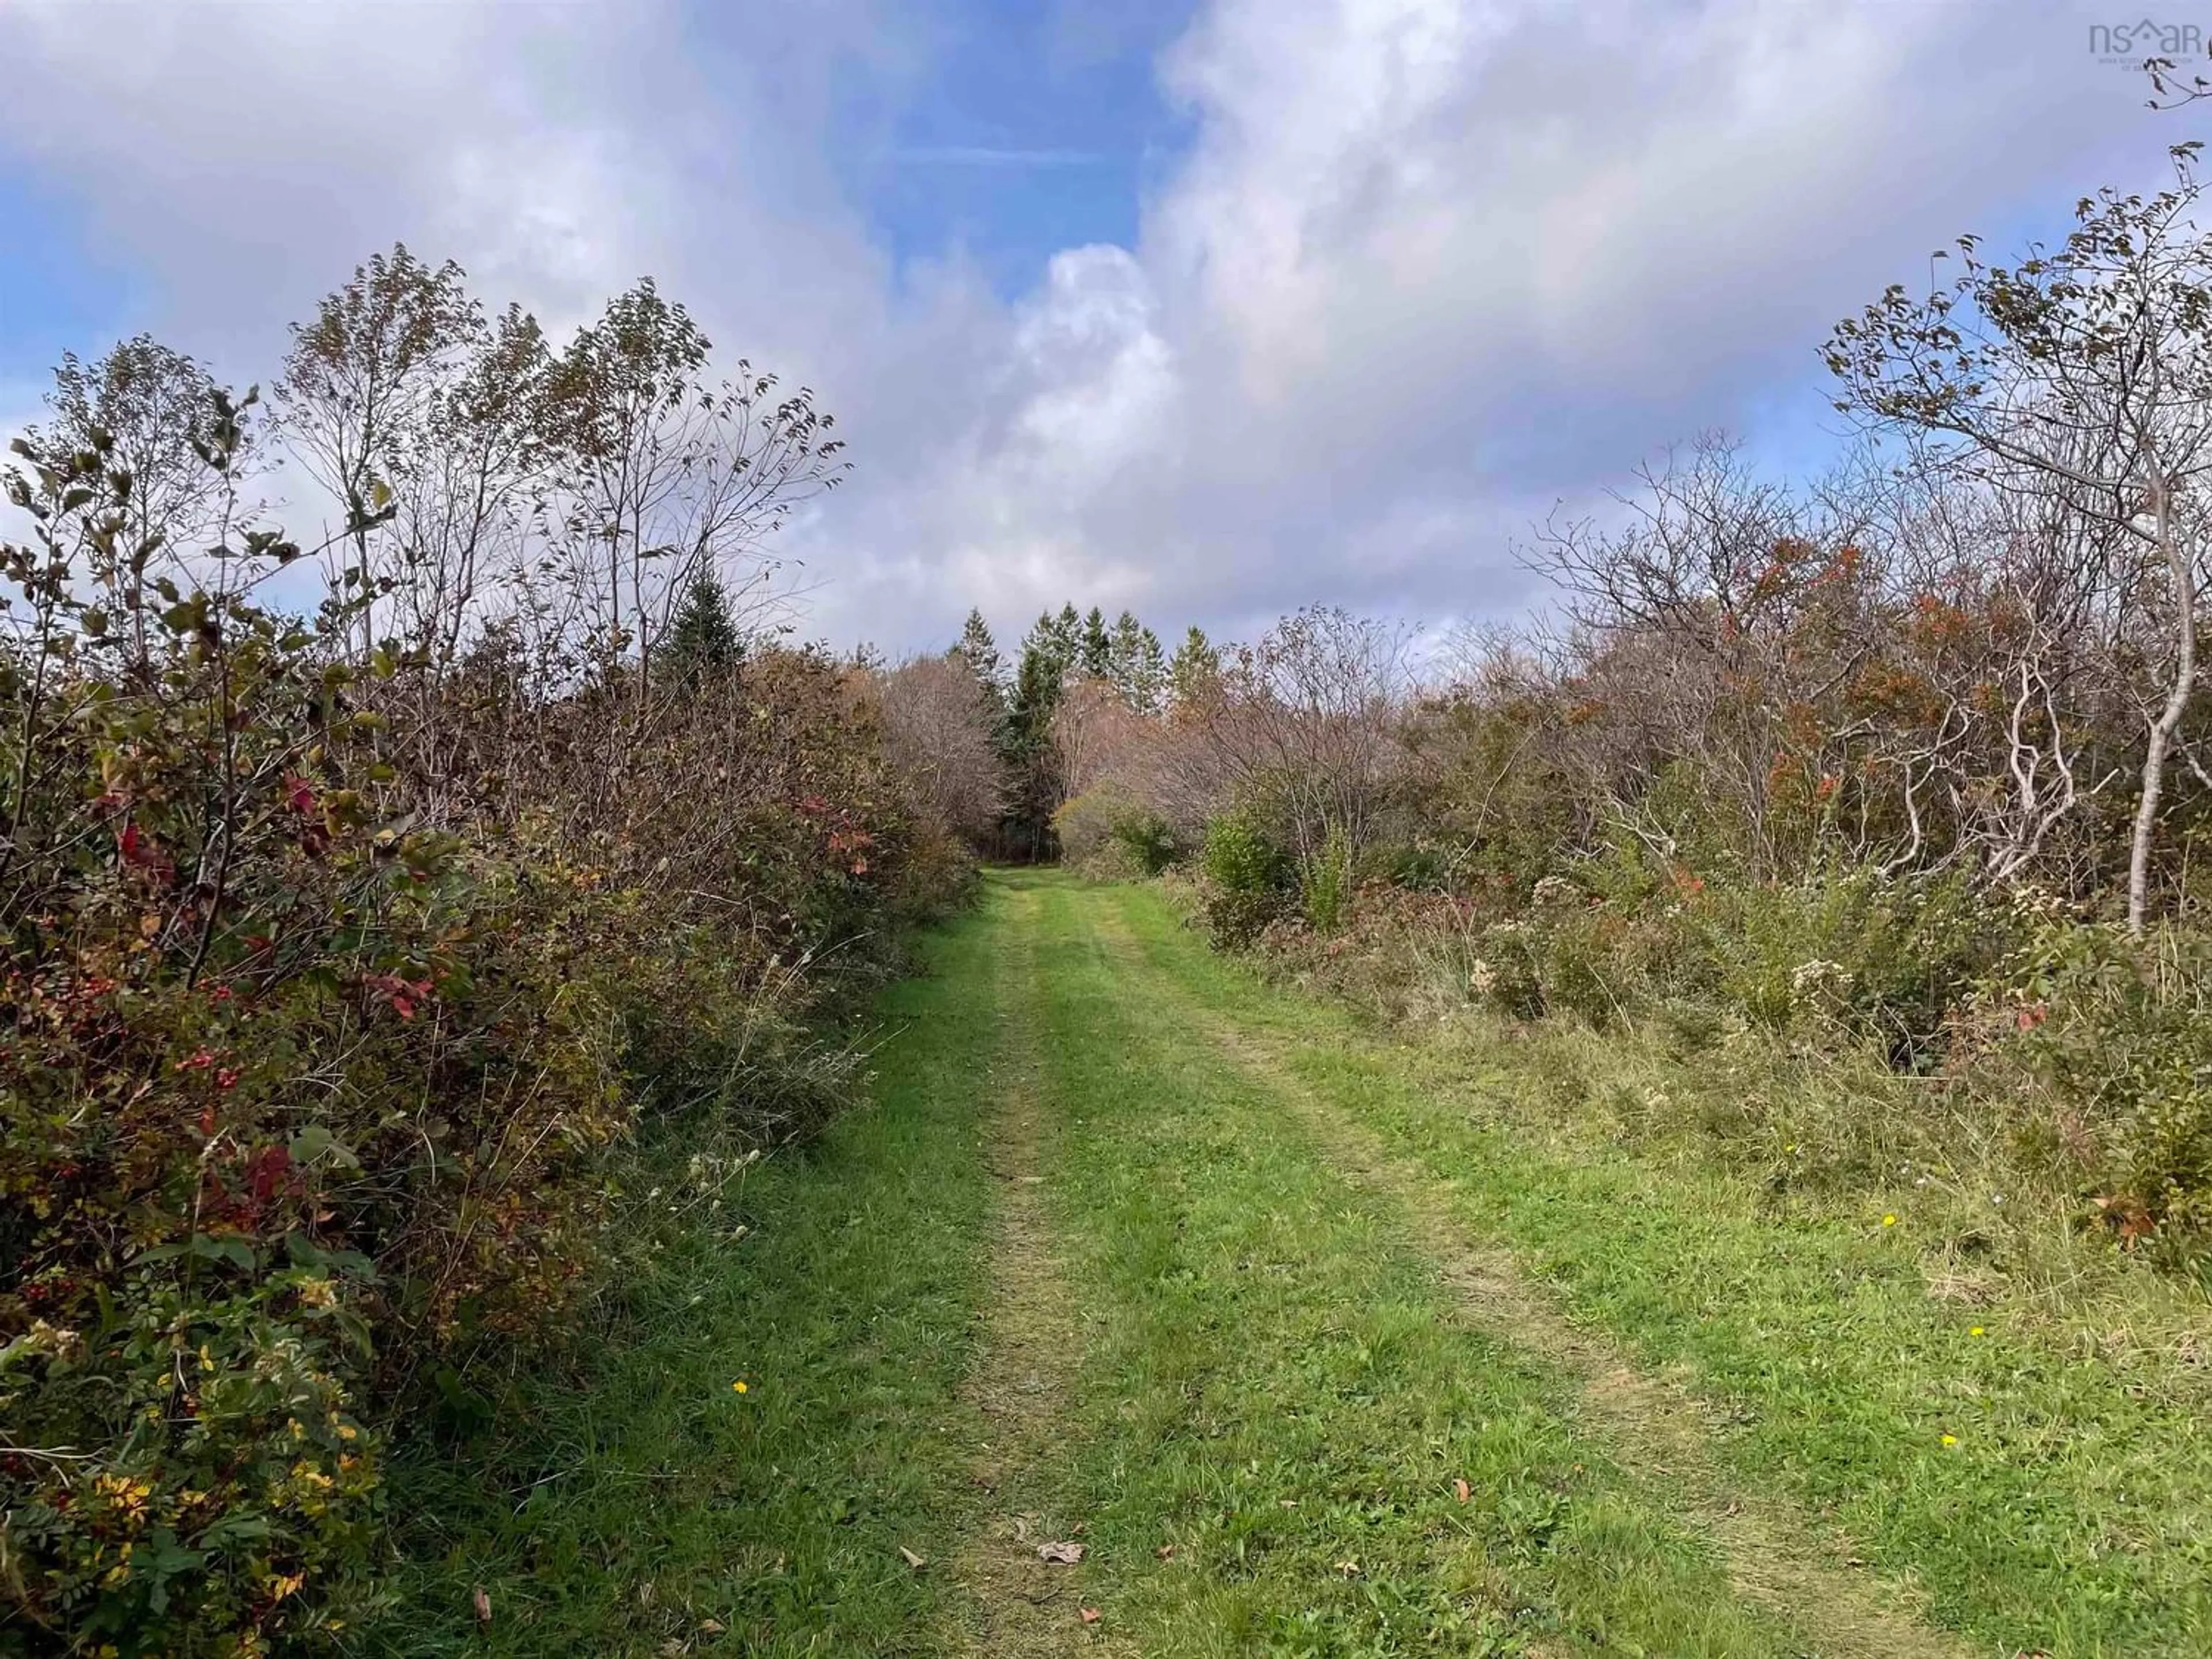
(1020, 1606)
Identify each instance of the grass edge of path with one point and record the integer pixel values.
(626, 1499)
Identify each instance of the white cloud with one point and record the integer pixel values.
(1425, 265)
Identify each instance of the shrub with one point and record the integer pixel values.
(2119, 1033)
(1325, 882)
(1248, 878)
(1106, 831)
(1889, 959)
(1507, 973)
(1148, 839)
(1416, 868)
(330, 985)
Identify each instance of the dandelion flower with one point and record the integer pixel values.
(1978, 1331)
(1950, 1439)
(739, 1387)
(1889, 1221)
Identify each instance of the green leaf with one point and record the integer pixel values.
(203, 1247)
(316, 1143)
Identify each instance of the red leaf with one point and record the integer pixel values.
(267, 1171)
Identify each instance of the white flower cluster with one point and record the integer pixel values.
(2036, 901)
(1809, 979)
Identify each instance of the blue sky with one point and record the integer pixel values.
(1209, 308)
(56, 292)
(1028, 129)
(1001, 133)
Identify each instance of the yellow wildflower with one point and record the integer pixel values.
(1950, 1439)
(739, 1387)
(1889, 1221)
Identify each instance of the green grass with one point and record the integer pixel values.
(1271, 1387)
(632, 1499)
(1275, 1387)
(2071, 1512)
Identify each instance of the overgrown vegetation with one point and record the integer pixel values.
(630, 1496)
(400, 928)
(1895, 777)
(351, 941)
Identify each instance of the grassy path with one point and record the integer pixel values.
(1312, 1357)
(1017, 1604)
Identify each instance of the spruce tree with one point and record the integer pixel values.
(703, 640)
(981, 651)
(1048, 653)
(1064, 632)
(1027, 746)
(1139, 666)
(1148, 674)
(1194, 674)
(1098, 646)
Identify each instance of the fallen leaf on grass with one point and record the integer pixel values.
(1091, 1616)
(1064, 1552)
(712, 1627)
(917, 1562)
(482, 1605)
(1166, 1552)
(1461, 1491)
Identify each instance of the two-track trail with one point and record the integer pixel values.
(1237, 1349)
(1288, 1345)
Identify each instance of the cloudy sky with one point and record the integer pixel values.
(1207, 307)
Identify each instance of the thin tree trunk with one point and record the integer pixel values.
(2184, 577)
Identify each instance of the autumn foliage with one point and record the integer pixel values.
(345, 945)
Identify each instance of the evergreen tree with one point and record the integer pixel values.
(1098, 646)
(1064, 632)
(1048, 653)
(703, 638)
(1148, 674)
(1194, 674)
(1027, 749)
(1139, 666)
(981, 651)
